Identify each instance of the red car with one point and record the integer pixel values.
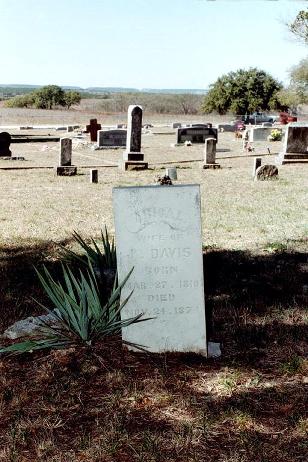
(285, 118)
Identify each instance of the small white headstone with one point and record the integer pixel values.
(158, 232)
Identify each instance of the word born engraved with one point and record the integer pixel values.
(162, 270)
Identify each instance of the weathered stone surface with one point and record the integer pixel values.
(259, 133)
(70, 170)
(295, 146)
(210, 151)
(296, 138)
(257, 161)
(111, 138)
(29, 326)
(134, 129)
(65, 152)
(172, 173)
(133, 165)
(266, 172)
(93, 175)
(210, 154)
(158, 232)
(195, 134)
(133, 141)
(93, 128)
(5, 141)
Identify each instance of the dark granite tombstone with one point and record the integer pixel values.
(133, 158)
(93, 128)
(5, 141)
(111, 138)
(134, 129)
(196, 134)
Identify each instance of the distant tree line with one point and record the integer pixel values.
(48, 97)
(158, 103)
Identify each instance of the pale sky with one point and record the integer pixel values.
(144, 43)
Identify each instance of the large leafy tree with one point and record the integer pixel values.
(241, 92)
(299, 27)
(297, 92)
(49, 96)
(71, 98)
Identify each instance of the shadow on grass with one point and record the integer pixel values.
(249, 294)
(248, 405)
(19, 282)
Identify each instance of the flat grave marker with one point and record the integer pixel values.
(195, 134)
(158, 233)
(111, 138)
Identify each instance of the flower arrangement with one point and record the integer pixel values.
(276, 135)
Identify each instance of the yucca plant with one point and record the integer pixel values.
(99, 260)
(79, 316)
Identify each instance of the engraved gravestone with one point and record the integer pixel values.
(158, 233)
(295, 146)
(111, 138)
(134, 130)
(65, 152)
(132, 156)
(196, 134)
(5, 141)
(210, 154)
(259, 133)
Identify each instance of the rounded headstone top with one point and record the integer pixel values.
(266, 172)
(5, 137)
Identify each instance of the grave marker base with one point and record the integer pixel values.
(291, 158)
(133, 156)
(213, 166)
(12, 158)
(133, 165)
(69, 170)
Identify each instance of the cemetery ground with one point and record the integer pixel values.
(108, 404)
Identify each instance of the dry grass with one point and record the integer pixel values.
(111, 405)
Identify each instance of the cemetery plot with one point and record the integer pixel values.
(158, 233)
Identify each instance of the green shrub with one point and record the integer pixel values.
(80, 317)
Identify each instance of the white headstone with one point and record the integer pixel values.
(158, 232)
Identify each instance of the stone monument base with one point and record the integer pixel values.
(12, 158)
(68, 170)
(133, 165)
(213, 166)
(128, 156)
(291, 158)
